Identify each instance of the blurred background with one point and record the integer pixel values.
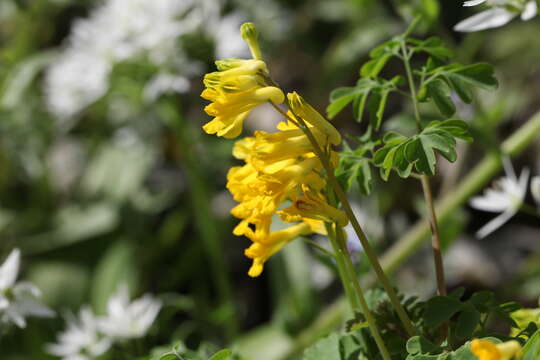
(106, 176)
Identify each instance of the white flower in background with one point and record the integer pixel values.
(116, 31)
(81, 340)
(164, 83)
(76, 80)
(505, 197)
(18, 300)
(127, 320)
(535, 189)
(500, 13)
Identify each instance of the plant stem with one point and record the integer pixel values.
(370, 253)
(343, 273)
(426, 187)
(435, 239)
(360, 294)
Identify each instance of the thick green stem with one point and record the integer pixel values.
(360, 294)
(342, 269)
(368, 250)
(426, 187)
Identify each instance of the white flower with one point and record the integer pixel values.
(498, 15)
(127, 319)
(535, 188)
(505, 197)
(164, 83)
(74, 81)
(116, 31)
(18, 300)
(81, 340)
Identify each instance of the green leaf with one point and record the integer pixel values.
(467, 322)
(354, 166)
(419, 150)
(461, 88)
(433, 46)
(339, 98)
(440, 309)
(324, 349)
(373, 67)
(421, 345)
(221, 355)
(531, 350)
(440, 93)
(483, 300)
(480, 75)
(463, 353)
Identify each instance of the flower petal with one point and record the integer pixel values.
(485, 20)
(10, 269)
(495, 223)
(530, 11)
(473, 2)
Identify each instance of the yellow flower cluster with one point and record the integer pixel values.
(487, 350)
(279, 166)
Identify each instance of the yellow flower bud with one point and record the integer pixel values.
(250, 34)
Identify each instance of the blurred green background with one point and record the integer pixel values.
(106, 176)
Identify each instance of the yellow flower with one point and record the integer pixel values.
(263, 248)
(278, 167)
(307, 113)
(234, 92)
(487, 350)
(236, 88)
(312, 205)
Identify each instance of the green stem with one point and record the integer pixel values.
(319, 247)
(360, 294)
(426, 187)
(368, 250)
(342, 270)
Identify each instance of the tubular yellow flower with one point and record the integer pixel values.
(312, 205)
(278, 167)
(302, 109)
(487, 350)
(236, 88)
(263, 248)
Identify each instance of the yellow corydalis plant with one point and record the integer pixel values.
(237, 88)
(280, 166)
(487, 350)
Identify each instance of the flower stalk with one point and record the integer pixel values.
(426, 187)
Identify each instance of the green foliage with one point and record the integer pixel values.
(181, 352)
(354, 166)
(531, 350)
(369, 92)
(418, 151)
(438, 81)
